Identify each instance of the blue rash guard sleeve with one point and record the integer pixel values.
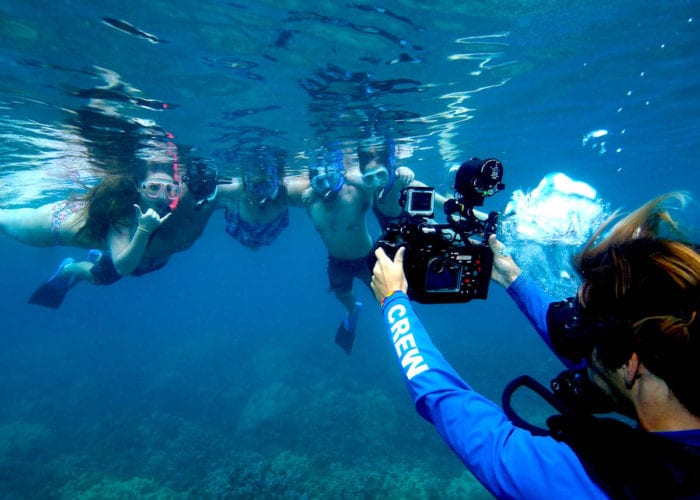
(533, 302)
(509, 461)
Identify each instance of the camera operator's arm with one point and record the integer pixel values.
(505, 270)
(529, 297)
(509, 461)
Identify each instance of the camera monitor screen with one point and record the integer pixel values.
(420, 202)
(442, 276)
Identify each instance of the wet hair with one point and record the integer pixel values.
(110, 203)
(264, 162)
(642, 282)
(123, 151)
(381, 152)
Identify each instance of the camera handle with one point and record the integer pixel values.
(491, 224)
(469, 224)
(552, 398)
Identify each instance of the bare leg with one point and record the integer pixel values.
(345, 336)
(34, 226)
(80, 270)
(347, 299)
(353, 307)
(28, 225)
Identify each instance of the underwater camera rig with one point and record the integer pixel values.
(442, 263)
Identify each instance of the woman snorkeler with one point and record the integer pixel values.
(258, 209)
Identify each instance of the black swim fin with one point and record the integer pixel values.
(52, 293)
(345, 338)
(48, 295)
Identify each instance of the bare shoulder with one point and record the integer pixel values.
(295, 187)
(227, 194)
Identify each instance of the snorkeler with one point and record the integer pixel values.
(338, 212)
(122, 216)
(380, 175)
(257, 210)
(132, 226)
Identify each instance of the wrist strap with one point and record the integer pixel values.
(381, 302)
(143, 229)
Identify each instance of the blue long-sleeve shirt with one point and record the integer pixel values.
(533, 302)
(509, 461)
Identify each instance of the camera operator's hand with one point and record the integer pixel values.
(388, 275)
(505, 270)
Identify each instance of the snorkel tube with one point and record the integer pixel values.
(328, 180)
(327, 183)
(171, 150)
(390, 166)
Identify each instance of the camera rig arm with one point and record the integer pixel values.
(468, 224)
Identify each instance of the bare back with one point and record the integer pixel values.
(181, 230)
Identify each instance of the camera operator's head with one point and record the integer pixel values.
(635, 318)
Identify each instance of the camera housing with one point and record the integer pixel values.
(442, 262)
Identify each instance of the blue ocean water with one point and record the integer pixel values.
(217, 377)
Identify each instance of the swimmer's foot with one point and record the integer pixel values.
(60, 279)
(94, 255)
(345, 336)
(52, 293)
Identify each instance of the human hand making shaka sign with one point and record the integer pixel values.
(149, 220)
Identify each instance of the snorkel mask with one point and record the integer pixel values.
(262, 183)
(375, 178)
(383, 174)
(327, 181)
(162, 194)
